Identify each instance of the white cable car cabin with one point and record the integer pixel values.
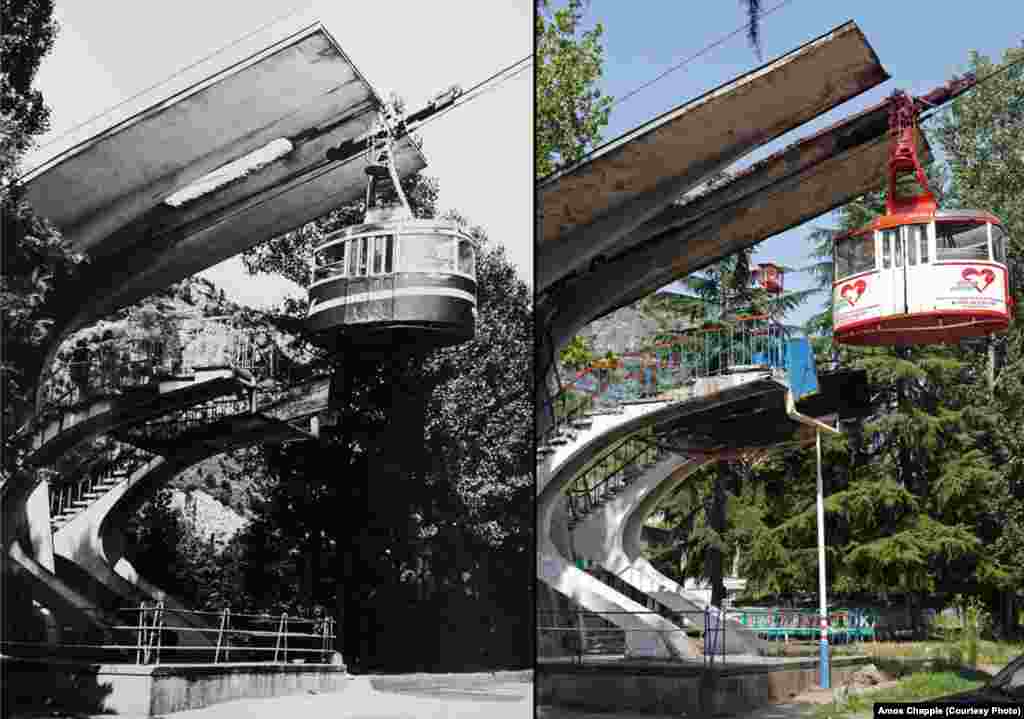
(394, 281)
(918, 274)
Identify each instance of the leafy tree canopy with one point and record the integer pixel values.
(570, 110)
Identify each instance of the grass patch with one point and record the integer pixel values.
(988, 652)
(920, 686)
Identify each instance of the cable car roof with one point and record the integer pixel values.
(105, 185)
(907, 218)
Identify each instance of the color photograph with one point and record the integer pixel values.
(779, 362)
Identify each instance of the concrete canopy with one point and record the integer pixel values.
(588, 208)
(107, 192)
(795, 185)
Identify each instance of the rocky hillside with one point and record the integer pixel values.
(624, 330)
(190, 325)
(208, 517)
(630, 328)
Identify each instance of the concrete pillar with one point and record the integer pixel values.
(40, 531)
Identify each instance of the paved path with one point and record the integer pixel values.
(395, 698)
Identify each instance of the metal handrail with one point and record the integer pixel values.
(68, 493)
(637, 595)
(152, 629)
(599, 481)
(713, 633)
(703, 351)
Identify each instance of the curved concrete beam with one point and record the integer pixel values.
(560, 468)
(79, 541)
(647, 635)
(637, 570)
(56, 593)
(93, 538)
(590, 206)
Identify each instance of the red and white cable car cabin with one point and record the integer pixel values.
(918, 274)
(768, 276)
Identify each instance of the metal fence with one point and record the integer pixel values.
(776, 624)
(594, 636)
(153, 633)
(673, 362)
(610, 473)
(112, 366)
(112, 466)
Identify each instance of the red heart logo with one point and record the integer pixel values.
(981, 278)
(989, 276)
(852, 292)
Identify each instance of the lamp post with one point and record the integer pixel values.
(823, 678)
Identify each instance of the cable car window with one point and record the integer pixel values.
(426, 253)
(467, 258)
(922, 233)
(364, 255)
(353, 257)
(999, 244)
(389, 255)
(898, 245)
(961, 241)
(886, 251)
(854, 254)
(329, 262)
(378, 254)
(332, 254)
(911, 246)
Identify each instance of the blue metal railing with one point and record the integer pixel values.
(675, 361)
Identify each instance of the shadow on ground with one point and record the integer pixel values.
(35, 689)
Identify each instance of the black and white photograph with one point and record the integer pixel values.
(267, 359)
(554, 359)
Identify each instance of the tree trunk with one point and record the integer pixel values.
(716, 559)
(991, 373)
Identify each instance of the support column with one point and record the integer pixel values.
(40, 531)
(823, 668)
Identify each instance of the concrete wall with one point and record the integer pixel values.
(143, 691)
(692, 690)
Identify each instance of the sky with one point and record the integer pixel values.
(481, 153)
(921, 46)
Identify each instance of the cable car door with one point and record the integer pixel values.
(916, 265)
(894, 272)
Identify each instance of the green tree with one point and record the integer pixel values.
(577, 353)
(571, 109)
(920, 493)
(982, 135)
(36, 260)
(441, 525)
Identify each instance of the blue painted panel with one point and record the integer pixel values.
(800, 369)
